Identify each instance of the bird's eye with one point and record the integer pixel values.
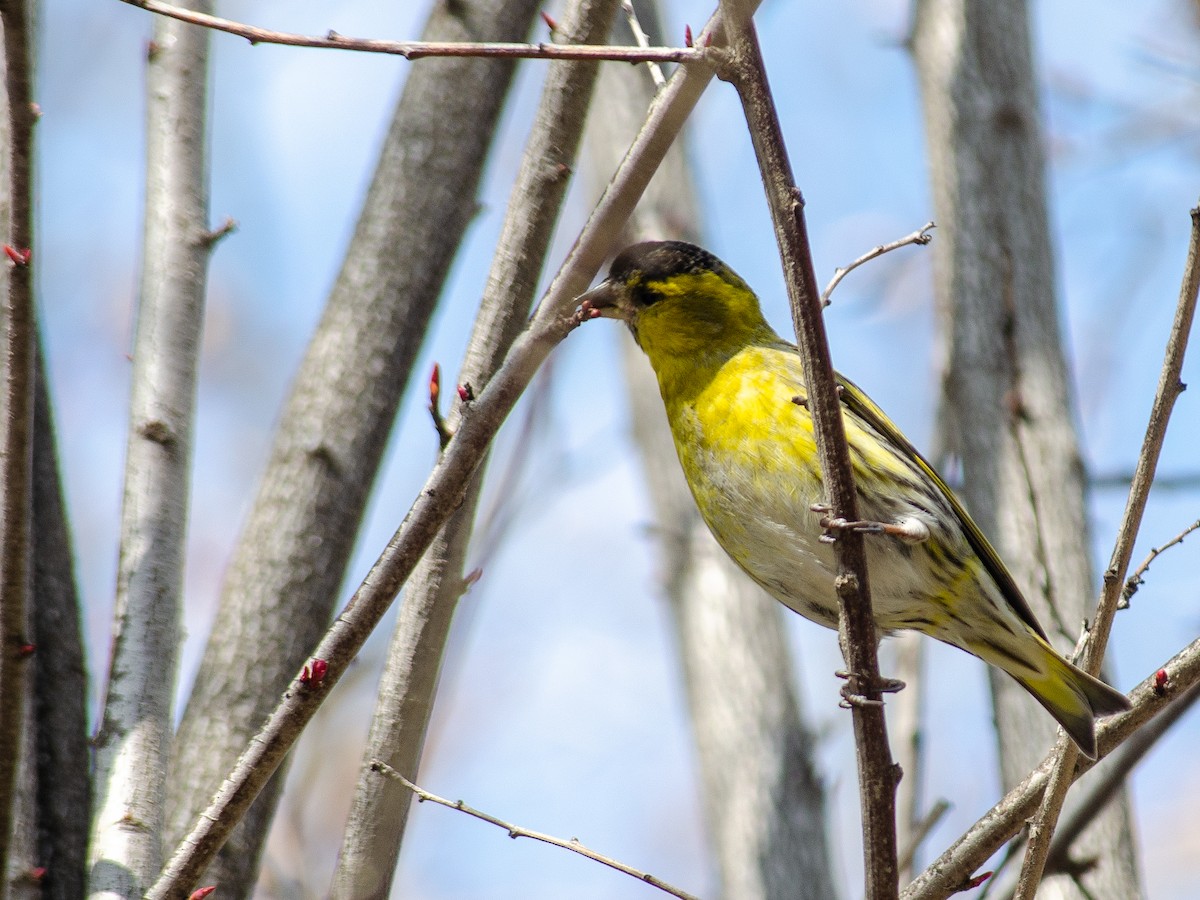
(643, 295)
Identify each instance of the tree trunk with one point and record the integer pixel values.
(1007, 405)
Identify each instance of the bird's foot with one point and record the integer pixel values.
(911, 531)
(852, 697)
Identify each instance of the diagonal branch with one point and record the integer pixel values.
(446, 485)
(379, 811)
(921, 238)
(878, 775)
(946, 875)
(1170, 386)
(516, 831)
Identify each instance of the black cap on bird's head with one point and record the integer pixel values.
(636, 269)
(677, 299)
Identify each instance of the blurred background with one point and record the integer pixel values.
(561, 707)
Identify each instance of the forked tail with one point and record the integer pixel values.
(1073, 697)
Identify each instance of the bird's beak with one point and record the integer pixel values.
(608, 300)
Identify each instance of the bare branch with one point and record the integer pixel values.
(379, 812)
(412, 50)
(878, 775)
(284, 577)
(18, 342)
(921, 238)
(447, 483)
(641, 39)
(516, 831)
(921, 831)
(1137, 579)
(1170, 386)
(959, 862)
(1102, 791)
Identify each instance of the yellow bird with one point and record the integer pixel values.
(735, 398)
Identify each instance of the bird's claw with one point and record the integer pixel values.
(852, 697)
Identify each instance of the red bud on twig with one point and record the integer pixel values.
(313, 672)
(18, 257)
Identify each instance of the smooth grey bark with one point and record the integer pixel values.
(59, 674)
(763, 799)
(289, 562)
(1007, 405)
(379, 811)
(133, 741)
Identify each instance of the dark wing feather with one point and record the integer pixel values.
(862, 405)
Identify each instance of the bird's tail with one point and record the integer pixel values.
(1071, 695)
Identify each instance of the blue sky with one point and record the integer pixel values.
(562, 708)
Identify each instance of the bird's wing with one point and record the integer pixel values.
(862, 405)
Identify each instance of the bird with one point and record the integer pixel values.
(735, 397)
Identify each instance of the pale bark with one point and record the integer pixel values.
(133, 741)
(290, 559)
(379, 811)
(1007, 409)
(763, 800)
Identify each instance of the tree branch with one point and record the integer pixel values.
(284, 579)
(1138, 578)
(134, 739)
(878, 775)
(950, 871)
(17, 376)
(412, 50)
(446, 484)
(1170, 386)
(379, 811)
(920, 238)
(516, 831)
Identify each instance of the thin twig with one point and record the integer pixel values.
(921, 831)
(1137, 579)
(921, 237)
(411, 50)
(517, 831)
(944, 876)
(878, 775)
(642, 40)
(1170, 386)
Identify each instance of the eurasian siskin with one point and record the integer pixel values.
(735, 398)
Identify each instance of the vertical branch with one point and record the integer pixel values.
(17, 343)
(1170, 386)
(133, 742)
(763, 797)
(878, 775)
(379, 811)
